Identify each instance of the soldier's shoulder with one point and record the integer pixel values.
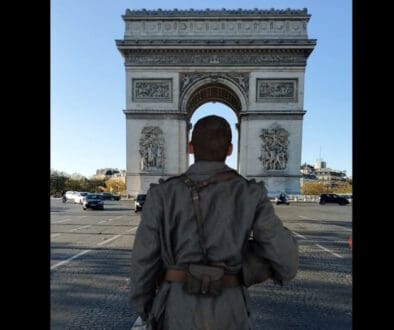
(256, 186)
(163, 181)
(252, 181)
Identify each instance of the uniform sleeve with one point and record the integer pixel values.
(146, 264)
(274, 241)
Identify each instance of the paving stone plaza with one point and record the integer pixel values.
(90, 269)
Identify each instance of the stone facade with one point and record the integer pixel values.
(251, 60)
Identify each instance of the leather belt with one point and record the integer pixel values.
(180, 276)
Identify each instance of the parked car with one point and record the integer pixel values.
(332, 198)
(139, 202)
(109, 196)
(93, 201)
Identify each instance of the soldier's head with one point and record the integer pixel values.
(211, 139)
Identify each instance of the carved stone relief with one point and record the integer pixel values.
(214, 93)
(241, 79)
(152, 149)
(274, 152)
(152, 90)
(196, 58)
(269, 90)
(216, 27)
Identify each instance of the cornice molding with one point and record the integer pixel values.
(154, 114)
(274, 173)
(215, 13)
(272, 115)
(132, 43)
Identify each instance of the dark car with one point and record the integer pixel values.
(139, 202)
(93, 201)
(332, 198)
(109, 196)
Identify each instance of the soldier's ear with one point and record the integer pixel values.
(190, 148)
(230, 149)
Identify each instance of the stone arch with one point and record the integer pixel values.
(251, 60)
(213, 89)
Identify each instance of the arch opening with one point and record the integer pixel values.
(213, 92)
(223, 110)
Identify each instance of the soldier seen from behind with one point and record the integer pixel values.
(189, 261)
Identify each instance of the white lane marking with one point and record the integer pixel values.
(83, 216)
(102, 221)
(110, 219)
(327, 250)
(319, 246)
(54, 235)
(75, 229)
(346, 229)
(61, 221)
(138, 324)
(328, 241)
(69, 259)
(109, 240)
(299, 235)
(130, 230)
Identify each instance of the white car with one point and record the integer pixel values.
(69, 195)
(78, 197)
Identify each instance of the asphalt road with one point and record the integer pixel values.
(90, 267)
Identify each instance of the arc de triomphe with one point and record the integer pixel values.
(251, 60)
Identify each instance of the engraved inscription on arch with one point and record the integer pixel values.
(276, 90)
(152, 90)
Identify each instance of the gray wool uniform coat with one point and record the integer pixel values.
(167, 237)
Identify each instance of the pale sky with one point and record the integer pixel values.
(88, 126)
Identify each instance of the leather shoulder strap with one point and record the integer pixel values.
(195, 187)
(219, 177)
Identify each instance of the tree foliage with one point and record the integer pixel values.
(116, 185)
(314, 188)
(320, 187)
(343, 188)
(61, 182)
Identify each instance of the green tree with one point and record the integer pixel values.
(57, 184)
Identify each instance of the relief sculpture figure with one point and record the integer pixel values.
(152, 149)
(274, 155)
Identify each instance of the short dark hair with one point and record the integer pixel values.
(211, 138)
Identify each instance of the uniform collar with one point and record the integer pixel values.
(207, 167)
